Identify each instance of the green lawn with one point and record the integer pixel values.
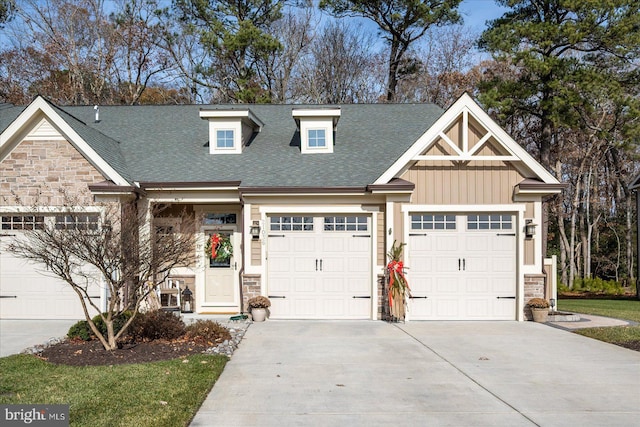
(619, 309)
(150, 394)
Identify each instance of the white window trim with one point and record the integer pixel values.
(317, 147)
(233, 138)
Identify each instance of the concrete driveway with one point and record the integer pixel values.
(369, 373)
(17, 335)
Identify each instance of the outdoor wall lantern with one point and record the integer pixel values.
(552, 303)
(254, 230)
(529, 228)
(187, 303)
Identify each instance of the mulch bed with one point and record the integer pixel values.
(92, 353)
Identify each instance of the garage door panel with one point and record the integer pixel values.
(477, 285)
(34, 293)
(476, 243)
(463, 272)
(446, 244)
(335, 265)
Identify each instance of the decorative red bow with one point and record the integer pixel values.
(395, 267)
(215, 240)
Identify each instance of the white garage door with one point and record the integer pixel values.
(319, 267)
(462, 267)
(27, 291)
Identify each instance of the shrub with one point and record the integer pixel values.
(538, 303)
(259, 302)
(207, 332)
(157, 324)
(80, 331)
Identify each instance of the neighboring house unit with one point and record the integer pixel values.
(330, 188)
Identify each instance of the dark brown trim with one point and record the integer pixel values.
(396, 184)
(109, 187)
(535, 185)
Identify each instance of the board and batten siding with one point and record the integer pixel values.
(480, 182)
(381, 238)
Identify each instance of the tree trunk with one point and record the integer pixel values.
(392, 77)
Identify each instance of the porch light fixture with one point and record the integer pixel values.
(552, 303)
(529, 228)
(254, 230)
(187, 303)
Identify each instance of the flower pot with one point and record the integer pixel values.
(540, 314)
(258, 314)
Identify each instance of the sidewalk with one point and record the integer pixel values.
(591, 321)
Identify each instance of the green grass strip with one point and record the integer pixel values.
(150, 394)
(619, 309)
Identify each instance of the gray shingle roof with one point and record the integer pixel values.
(170, 144)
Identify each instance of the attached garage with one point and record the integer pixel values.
(319, 267)
(27, 290)
(462, 266)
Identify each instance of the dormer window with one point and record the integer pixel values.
(230, 130)
(317, 138)
(225, 139)
(316, 128)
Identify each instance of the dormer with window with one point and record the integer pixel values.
(230, 130)
(316, 128)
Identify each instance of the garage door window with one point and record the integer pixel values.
(77, 222)
(291, 223)
(433, 222)
(489, 222)
(22, 222)
(345, 223)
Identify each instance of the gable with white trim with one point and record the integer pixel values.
(465, 134)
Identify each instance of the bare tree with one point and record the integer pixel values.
(120, 250)
(338, 67)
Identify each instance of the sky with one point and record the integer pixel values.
(476, 12)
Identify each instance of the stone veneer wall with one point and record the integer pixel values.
(37, 170)
(250, 288)
(534, 287)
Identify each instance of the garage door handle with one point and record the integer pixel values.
(8, 296)
(505, 297)
(363, 297)
(277, 296)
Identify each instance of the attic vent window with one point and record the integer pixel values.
(230, 130)
(317, 127)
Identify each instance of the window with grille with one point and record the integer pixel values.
(433, 222)
(345, 223)
(76, 222)
(22, 222)
(490, 222)
(291, 223)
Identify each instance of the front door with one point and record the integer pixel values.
(221, 272)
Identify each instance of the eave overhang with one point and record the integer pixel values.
(395, 186)
(538, 188)
(109, 188)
